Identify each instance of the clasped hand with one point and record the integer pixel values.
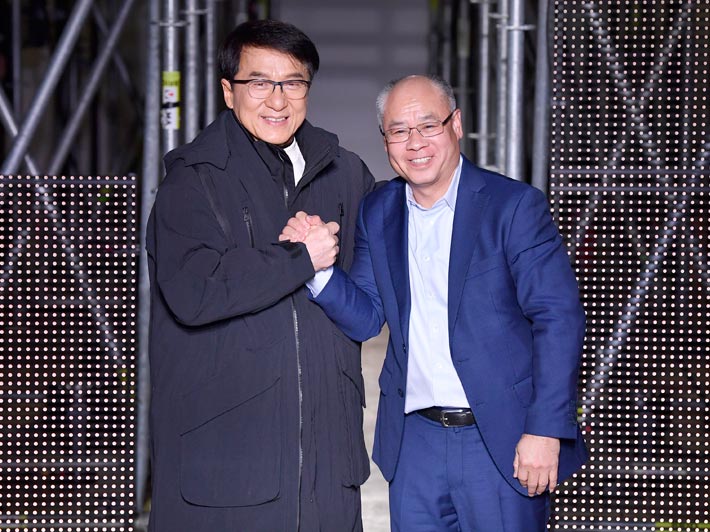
(320, 238)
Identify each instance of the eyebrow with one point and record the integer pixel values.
(261, 75)
(422, 119)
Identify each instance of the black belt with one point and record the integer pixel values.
(449, 417)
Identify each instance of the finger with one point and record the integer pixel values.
(314, 219)
(553, 479)
(283, 237)
(516, 461)
(333, 227)
(532, 482)
(300, 215)
(541, 486)
(299, 225)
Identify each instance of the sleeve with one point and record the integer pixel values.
(352, 301)
(203, 277)
(547, 292)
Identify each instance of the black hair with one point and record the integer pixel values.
(271, 34)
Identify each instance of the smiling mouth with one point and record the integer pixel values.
(273, 120)
(420, 160)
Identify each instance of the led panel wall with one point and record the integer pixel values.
(630, 176)
(67, 353)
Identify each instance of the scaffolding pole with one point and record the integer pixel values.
(171, 77)
(67, 137)
(8, 121)
(484, 79)
(210, 54)
(515, 108)
(149, 184)
(463, 53)
(16, 58)
(541, 134)
(501, 84)
(192, 51)
(56, 65)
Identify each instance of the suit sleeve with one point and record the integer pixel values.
(548, 295)
(202, 276)
(352, 301)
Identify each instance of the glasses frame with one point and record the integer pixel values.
(409, 133)
(274, 84)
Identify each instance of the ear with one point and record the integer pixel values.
(456, 124)
(227, 93)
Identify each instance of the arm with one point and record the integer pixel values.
(351, 301)
(548, 295)
(201, 275)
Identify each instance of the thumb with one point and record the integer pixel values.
(333, 227)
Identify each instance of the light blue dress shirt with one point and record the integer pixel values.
(431, 377)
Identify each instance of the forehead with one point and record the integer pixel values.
(415, 99)
(254, 60)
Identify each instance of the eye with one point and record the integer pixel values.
(429, 126)
(260, 84)
(292, 85)
(398, 132)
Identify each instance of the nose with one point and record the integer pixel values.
(276, 99)
(416, 140)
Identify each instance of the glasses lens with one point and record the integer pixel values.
(294, 89)
(430, 129)
(260, 88)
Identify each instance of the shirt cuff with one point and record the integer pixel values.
(319, 280)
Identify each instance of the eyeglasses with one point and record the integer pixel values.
(294, 89)
(427, 129)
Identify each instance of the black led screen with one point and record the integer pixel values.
(629, 187)
(67, 353)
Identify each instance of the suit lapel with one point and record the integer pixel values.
(395, 233)
(469, 213)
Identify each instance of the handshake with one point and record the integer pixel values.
(319, 237)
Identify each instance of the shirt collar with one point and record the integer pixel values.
(448, 199)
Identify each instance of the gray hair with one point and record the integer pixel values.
(443, 86)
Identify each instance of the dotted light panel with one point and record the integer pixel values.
(630, 178)
(67, 353)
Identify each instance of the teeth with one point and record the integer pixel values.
(421, 160)
(274, 119)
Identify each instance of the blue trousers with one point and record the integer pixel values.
(447, 482)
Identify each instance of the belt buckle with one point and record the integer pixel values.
(444, 420)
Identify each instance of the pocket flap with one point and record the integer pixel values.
(232, 387)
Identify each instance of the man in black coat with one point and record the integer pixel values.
(257, 397)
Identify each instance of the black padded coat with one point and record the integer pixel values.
(256, 407)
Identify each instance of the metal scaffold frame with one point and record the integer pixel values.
(181, 36)
(492, 101)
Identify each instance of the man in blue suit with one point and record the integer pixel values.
(477, 416)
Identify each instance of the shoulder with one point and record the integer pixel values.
(210, 146)
(501, 189)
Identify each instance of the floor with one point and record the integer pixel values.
(375, 509)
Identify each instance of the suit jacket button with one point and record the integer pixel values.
(404, 347)
(400, 392)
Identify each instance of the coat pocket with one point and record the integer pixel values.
(351, 387)
(230, 441)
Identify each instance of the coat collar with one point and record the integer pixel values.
(468, 217)
(225, 136)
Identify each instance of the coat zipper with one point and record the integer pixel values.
(294, 315)
(341, 212)
(247, 221)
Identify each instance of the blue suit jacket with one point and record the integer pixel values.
(516, 325)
